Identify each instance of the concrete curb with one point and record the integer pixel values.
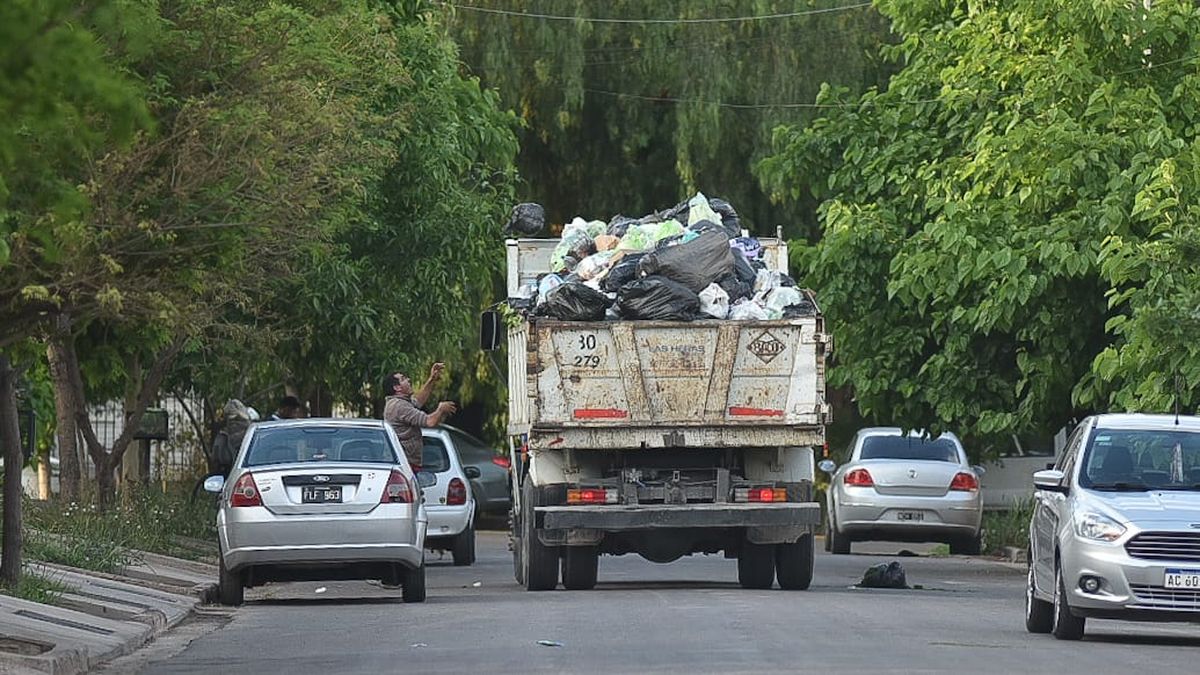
(103, 616)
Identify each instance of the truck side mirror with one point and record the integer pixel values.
(490, 330)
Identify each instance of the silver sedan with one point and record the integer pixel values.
(904, 487)
(320, 499)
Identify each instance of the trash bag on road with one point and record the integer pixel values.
(695, 264)
(714, 302)
(526, 218)
(657, 298)
(573, 301)
(884, 575)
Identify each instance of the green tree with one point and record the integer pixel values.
(632, 116)
(998, 222)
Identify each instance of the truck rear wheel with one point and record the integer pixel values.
(794, 564)
(539, 562)
(756, 565)
(580, 566)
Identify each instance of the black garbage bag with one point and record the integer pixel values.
(526, 218)
(744, 270)
(729, 218)
(667, 242)
(884, 575)
(735, 287)
(678, 212)
(706, 225)
(619, 225)
(806, 307)
(573, 301)
(695, 264)
(657, 298)
(623, 272)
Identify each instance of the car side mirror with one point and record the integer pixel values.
(979, 469)
(1050, 480)
(490, 330)
(426, 479)
(827, 465)
(214, 484)
(472, 471)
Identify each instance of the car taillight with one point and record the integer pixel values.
(765, 494)
(397, 490)
(859, 478)
(245, 492)
(591, 496)
(456, 492)
(966, 482)
(502, 462)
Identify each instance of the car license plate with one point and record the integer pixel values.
(1182, 578)
(311, 494)
(915, 516)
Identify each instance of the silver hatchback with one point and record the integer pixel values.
(904, 487)
(1115, 531)
(320, 499)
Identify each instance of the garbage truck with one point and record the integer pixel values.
(660, 438)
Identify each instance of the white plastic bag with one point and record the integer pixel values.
(781, 298)
(699, 209)
(765, 281)
(714, 302)
(747, 310)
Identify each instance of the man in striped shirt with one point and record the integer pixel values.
(403, 411)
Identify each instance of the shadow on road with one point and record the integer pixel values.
(1142, 639)
(300, 602)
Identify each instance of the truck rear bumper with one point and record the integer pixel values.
(661, 516)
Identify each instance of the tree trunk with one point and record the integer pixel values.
(70, 474)
(10, 439)
(45, 474)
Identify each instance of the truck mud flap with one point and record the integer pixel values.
(658, 516)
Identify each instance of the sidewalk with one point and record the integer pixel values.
(101, 616)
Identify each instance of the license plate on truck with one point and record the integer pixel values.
(911, 516)
(1177, 577)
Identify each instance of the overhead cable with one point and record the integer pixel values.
(585, 19)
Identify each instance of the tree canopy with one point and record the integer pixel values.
(1009, 227)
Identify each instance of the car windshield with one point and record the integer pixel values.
(1140, 459)
(286, 445)
(434, 456)
(941, 449)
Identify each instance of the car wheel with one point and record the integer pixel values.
(839, 544)
(463, 551)
(231, 585)
(756, 565)
(967, 546)
(414, 584)
(1065, 626)
(580, 566)
(794, 564)
(1039, 614)
(540, 562)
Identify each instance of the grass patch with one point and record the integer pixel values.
(1009, 527)
(146, 519)
(36, 588)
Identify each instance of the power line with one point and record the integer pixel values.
(730, 19)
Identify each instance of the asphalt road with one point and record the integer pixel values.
(689, 616)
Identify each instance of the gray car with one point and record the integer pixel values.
(1115, 531)
(320, 499)
(492, 488)
(904, 487)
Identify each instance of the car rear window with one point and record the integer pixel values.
(471, 450)
(941, 449)
(318, 444)
(434, 456)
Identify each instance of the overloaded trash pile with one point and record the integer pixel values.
(685, 263)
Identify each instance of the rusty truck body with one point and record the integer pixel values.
(663, 439)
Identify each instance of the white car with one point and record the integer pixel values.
(1115, 533)
(904, 487)
(320, 499)
(448, 501)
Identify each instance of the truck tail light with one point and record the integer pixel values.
(859, 478)
(397, 490)
(456, 492)
(964, 482)
(591, 496)
(760, 495)
(245, 492)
